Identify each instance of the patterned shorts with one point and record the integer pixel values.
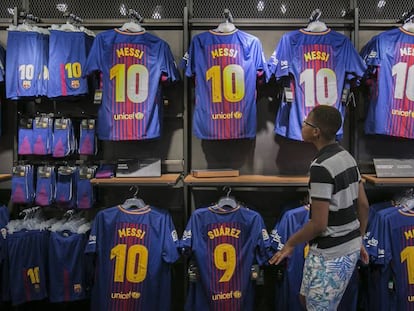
(324, 281)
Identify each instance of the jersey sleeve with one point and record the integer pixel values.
(371, 237)
(280, 62)
(93, 62)
(169, 67)
(370, 53)
(354, 62)
(279, 234)
(260, 60)
(186, 241)
(170, 252)
(91, 246)
(263, 250)
(188, 58)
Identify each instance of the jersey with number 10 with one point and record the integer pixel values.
(225, 245)
(134, 249)
(225, 67)
(319, 64)
(132, 65)
(390, 57)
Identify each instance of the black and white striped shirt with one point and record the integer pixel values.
(334, 177)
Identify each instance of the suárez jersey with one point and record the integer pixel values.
(318, 65)
(225, 245)
(131, 65)
(135, 249)
(225, 68)
(68, 52)
(390, 58)
(26, 64)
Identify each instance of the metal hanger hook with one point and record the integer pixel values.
(136, 190)
(227, 189)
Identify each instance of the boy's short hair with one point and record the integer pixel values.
(328, 119)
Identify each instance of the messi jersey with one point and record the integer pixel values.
(134, 250)
(66, 266)
(390, 58)
(225, 244)
(225, 67)
(68, 52)
(318, 64)
(132, 65)
(26, 64)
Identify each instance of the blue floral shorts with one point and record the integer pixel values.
(325, 280)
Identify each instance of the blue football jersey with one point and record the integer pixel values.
(225, 67)
(68, 52)
(292, 220)
(318, 65)
(132, 65)
(380, 295)
(66, 266)
(135, 249)
(225, 244)
(390, 58)
(399, 253)
(26, 64)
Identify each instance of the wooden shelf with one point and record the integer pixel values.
(5, 177)
(394, 181)
(249, 180)
(164, 180)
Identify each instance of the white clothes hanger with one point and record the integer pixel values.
(407, 20)
(409, 26)
(87, 31)
(227, 201)
(227, 25)
(24, 27)
(134, 202)
(68, 27)
(315, 25)
(134, 25)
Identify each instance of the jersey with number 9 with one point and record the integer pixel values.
(225, 245)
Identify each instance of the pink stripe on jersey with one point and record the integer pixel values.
(63, 80)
